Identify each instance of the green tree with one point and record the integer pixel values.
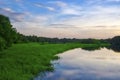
(8, 34)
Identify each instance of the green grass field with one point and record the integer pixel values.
(25, 61)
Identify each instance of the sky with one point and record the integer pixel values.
(64, 18)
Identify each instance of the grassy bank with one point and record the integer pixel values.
(24, 61)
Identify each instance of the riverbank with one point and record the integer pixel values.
(24, 61)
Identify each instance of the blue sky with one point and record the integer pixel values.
(64, 18)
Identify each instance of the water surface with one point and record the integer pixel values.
(79, 64)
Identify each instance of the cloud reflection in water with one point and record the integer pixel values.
(79, 64)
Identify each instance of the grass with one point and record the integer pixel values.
(24, 61)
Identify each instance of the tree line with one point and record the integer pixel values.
(43, 40)
(9, 35)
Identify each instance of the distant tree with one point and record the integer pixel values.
(115, 41)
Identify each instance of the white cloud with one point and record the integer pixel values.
(45, 6)
(69, 32)
(104, 0)
(8, 9)
(101, 2)
(66, 9)
(113, 0)
(50, 8)
(94, 16)
(17, 0)
(32, 21)
(73, 10)
(14, 16)
(59, 3)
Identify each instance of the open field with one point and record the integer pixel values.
(24, 61)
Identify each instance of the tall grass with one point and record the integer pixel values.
(24, 61)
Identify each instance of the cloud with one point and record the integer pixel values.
(33, 21)
(59, 3)
(101, 2)
(95, 16)
(7, 9)
(69, 32)
(14, 16)
(112, 0)
(38, 18)
(72, 10)
(61, 26)
(45, 6)
(105, 0)
(67, 9)
(84, 17)
(17, 0)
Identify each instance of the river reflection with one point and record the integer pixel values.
(79, 64)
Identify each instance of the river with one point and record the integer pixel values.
(79, 64)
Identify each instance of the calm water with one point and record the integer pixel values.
(78, 64)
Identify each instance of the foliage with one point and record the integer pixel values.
(115, 41)
(2, 43)
(7, 33)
